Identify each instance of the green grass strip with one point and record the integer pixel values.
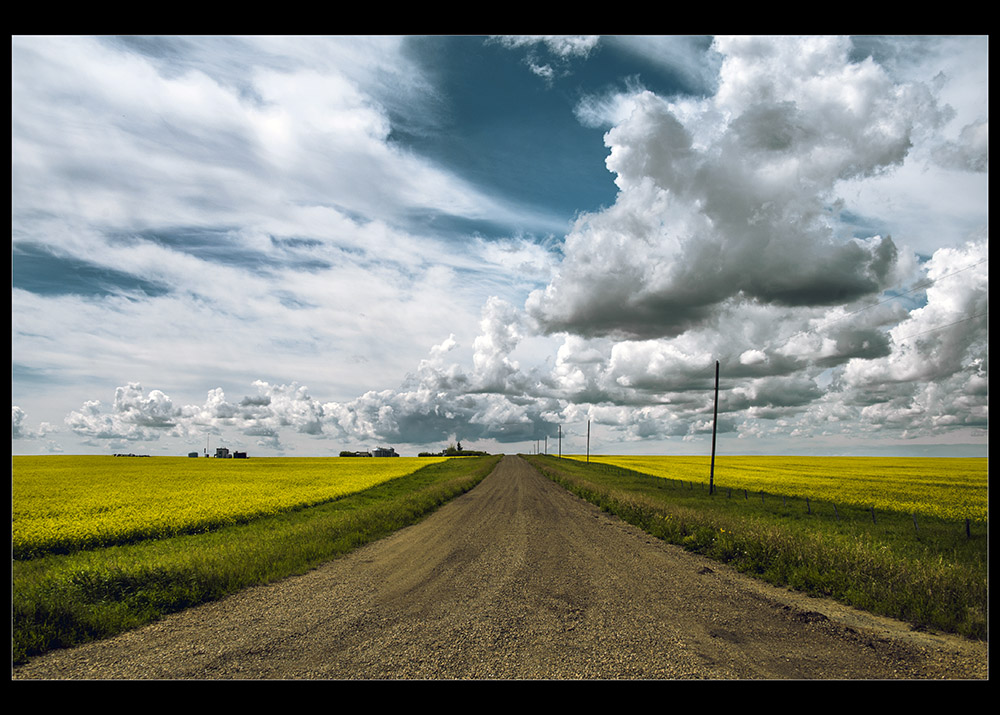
(935, 578)
(65, 600)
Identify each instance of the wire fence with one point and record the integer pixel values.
(801, 506)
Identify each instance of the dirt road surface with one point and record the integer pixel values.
(518, 579)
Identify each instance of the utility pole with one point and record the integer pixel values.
(715, 419)
(588, 441)
(560, 441)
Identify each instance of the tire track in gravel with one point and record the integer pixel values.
(518, 579)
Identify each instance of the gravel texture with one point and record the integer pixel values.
(518, 579)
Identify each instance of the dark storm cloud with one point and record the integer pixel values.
(772, 392)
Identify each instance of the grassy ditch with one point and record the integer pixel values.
(931, 574)
(68, 599)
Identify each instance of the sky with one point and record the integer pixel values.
(298, 245)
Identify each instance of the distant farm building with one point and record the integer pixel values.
(377, 452)
(224, 453)
(192, 454)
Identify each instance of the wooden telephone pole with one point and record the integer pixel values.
(715, 419)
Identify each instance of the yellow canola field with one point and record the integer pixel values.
(65, 503)
(950, 488)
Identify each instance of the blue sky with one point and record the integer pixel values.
(295, 245)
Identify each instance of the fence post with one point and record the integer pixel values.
(808, 508)
(968, 531)
(873, 514)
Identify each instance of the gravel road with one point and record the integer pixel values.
(518, 579)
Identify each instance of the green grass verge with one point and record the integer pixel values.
(930, 574)
(65, 600)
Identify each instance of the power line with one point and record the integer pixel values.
(942, 327)
(919, 286)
